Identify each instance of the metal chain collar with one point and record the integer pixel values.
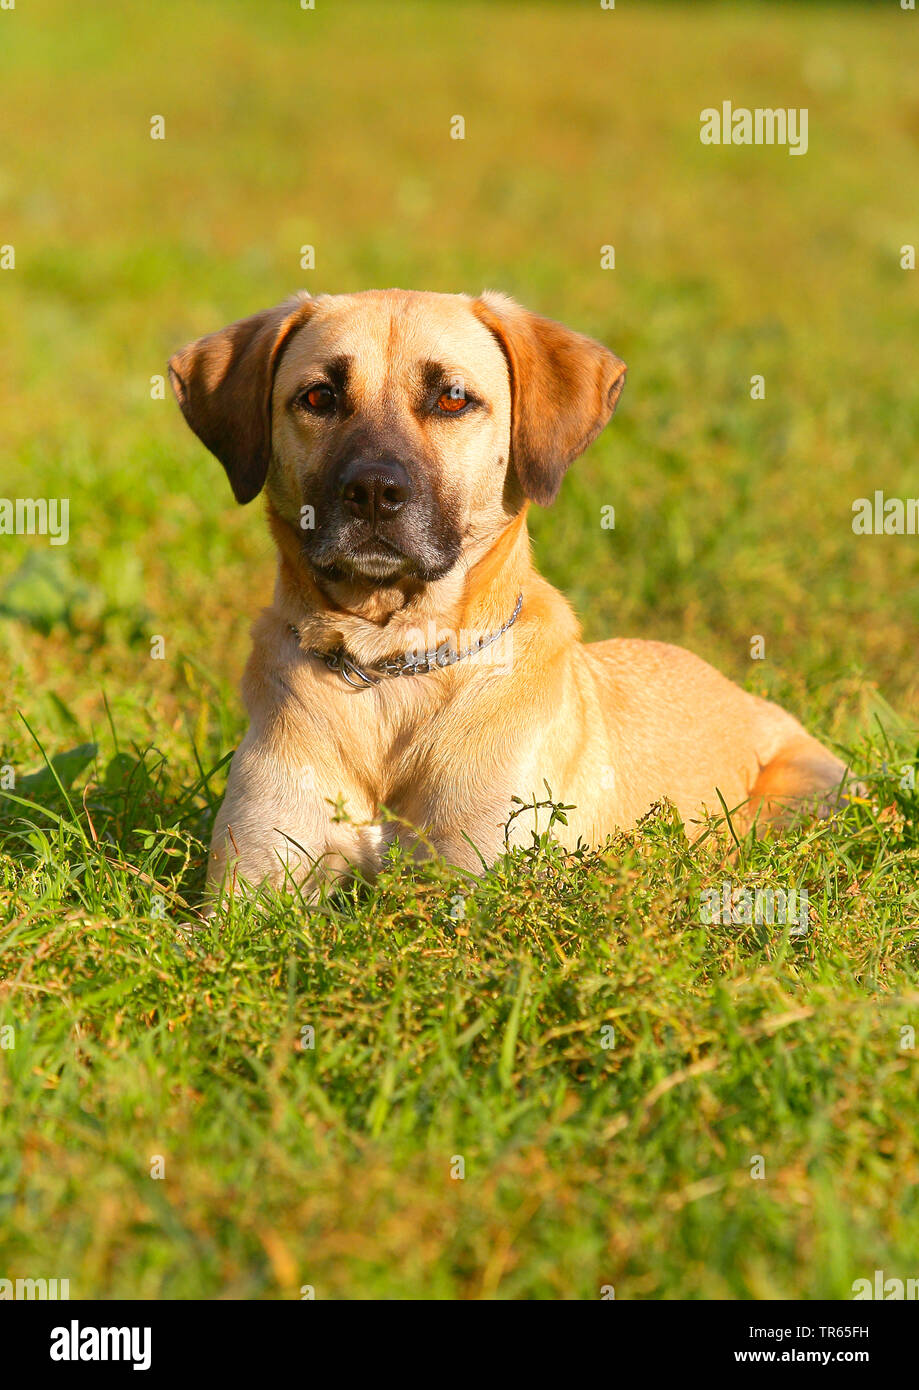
(444, 655)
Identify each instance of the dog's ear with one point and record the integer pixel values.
(564, 388)
(223, 384)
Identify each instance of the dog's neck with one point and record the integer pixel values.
(372, 624)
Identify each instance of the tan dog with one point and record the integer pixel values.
(399, 437)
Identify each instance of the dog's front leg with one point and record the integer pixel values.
(287, 826)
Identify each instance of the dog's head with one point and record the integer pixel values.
(394, 429)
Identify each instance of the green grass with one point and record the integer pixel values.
(458, 1017)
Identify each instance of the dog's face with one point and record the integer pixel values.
(390, 421)
(396, 430)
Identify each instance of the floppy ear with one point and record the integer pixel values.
(223, 384)
(564, 388)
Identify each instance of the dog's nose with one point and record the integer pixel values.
(374, 489)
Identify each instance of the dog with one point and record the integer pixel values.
(414, 674)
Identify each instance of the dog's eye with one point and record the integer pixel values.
(320, 399)
(452, 404)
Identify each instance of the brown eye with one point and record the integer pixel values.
(320, 399)
(451, 404)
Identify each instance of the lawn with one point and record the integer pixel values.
(558, 1078)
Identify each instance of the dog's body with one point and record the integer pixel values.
(401, 437)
